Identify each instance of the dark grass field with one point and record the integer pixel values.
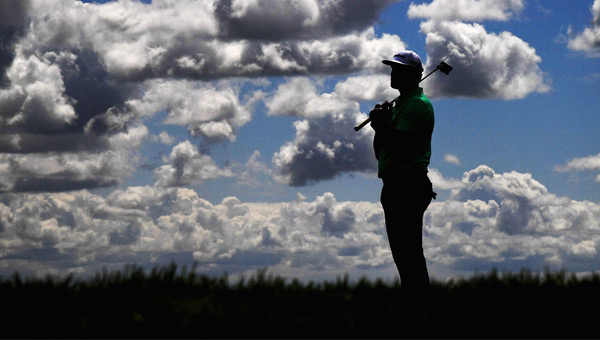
(172, 303)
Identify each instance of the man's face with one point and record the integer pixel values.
(397, 75)
(401, 76)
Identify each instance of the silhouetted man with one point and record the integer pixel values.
(402, 146)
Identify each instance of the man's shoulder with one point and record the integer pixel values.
(418, 102)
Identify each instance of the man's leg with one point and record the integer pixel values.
(404, 205)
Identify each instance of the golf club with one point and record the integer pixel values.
(443, 67)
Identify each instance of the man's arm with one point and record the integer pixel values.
(387, 135)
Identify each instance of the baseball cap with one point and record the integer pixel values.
(407, 58)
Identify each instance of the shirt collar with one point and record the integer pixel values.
(416, 90)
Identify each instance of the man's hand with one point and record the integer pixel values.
(380, 115)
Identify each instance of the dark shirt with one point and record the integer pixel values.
(404, 142)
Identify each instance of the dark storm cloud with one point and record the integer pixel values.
(294, 20)
(13, 20)
(63, 183)
(94, 92)
(63, 171)
(323, 148)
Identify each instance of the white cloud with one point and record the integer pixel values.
(255, 173)
(589, 163)
(452, 159)
(36, 100)
(441, 183)
(188, 166)
(486, 65)
(366, 87)
(504, 220)
(589, 39)
(213, 111)
(467, 10)
(581, 163)
(509, 220)
(143, 223)
(165, 138)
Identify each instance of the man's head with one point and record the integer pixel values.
(407, 70)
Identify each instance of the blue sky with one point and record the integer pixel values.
(221, 132)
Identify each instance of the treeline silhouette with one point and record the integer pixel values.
(170, 303)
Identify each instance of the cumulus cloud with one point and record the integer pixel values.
(35, 100)
(188, 166)
(83, 77)
(59, 102)
(194, 39)
(323, 148)
(467, 10)
(486, 65)
(65, 171)
(582, 163)
(164, 138)
(506, 220)
(366, 87)
(509, 220)
(589, 163)
(589, 39)
(440, 182)
(255, 173)
(213, 111)
(80, 232)
(452, 159)
(60, 124)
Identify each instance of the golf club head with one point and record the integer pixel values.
(444, 68)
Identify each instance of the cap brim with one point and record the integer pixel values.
(397, 63)
(392, 62)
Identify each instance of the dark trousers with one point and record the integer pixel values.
(404, 199)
